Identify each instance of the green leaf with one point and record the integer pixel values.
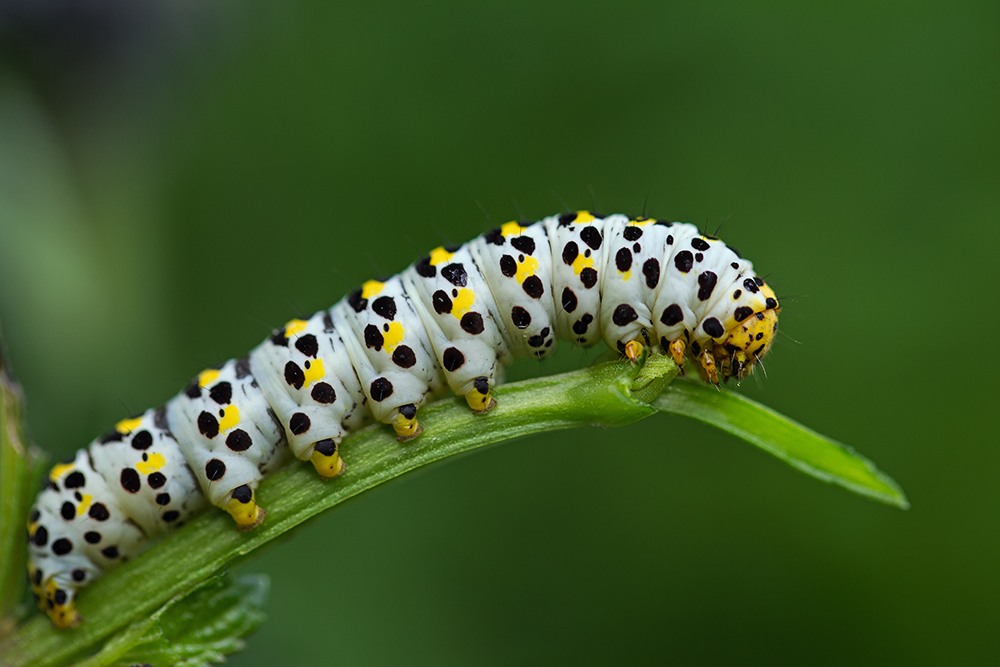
(18, 467)
(199, 630)
(798, 446)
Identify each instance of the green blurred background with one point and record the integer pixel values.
(175, 179)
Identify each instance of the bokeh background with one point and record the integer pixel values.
(178, 177)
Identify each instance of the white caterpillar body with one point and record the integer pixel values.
(451, 321)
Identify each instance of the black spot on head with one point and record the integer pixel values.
(299, 423)
(441, 302)
(323, 392)
(750, 286)
(737, 293)
(695, 348)
(566, 219)
(759, 281)
(326, 447)
(162, 499)
(242, 494)
(130, 480)
(99, 512)
(569, 302)
(700, 244)
(79, 575)
(239, 440)
(472, 323)
(76, 480)
(508, 266)
(215, 470)
(384, 306)
(221, 393)
(452, 359)
(651, 269)
(588, 277)
(208, 425)
(591, 236)
(670, 239)
(373, 337)
(672, 315)
(192, 391)
(624, 314)
(404, 357)
(771, 303)
(706, 284)
(494, 236)
(356, 302)
(68, 511)
(41, 537)
(308, 345)
(735, 265)
(62, 546)
(636, 248)
(92, 537)
(632, 233)
(425, 268)
(570, 253)
(156, 480)
(525, 244)
(380, 389)
(171, 515)
(520, 317)
(623, 260)
(455, 274)
(409, 411)
(759, 335)
(713, 327)
(698, 257)
(294, 376)
(742, 313)
(482, 385)
(684, 261)
(536, 341)
(110, 552)
(533, 287)
(35, 514)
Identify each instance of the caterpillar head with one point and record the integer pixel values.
(748, 341)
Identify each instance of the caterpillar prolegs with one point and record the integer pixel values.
(451, 321)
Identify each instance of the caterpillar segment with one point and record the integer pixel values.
(453, 320)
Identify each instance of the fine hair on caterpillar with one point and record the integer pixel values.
(452, 321)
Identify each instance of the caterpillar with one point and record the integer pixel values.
(451, 321)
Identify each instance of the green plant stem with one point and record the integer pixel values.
(604, 395)
(18, 467)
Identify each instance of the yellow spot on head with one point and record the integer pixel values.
(316, 371)
(393, 337)
(525, 269)
(126, 426)
(207, 377)
(294, 326)
(230, 418)
(511, 229)
(461, 304)
(59, 470)
(583, 217)
(439, 256)
(154, 461)
(371, 288)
